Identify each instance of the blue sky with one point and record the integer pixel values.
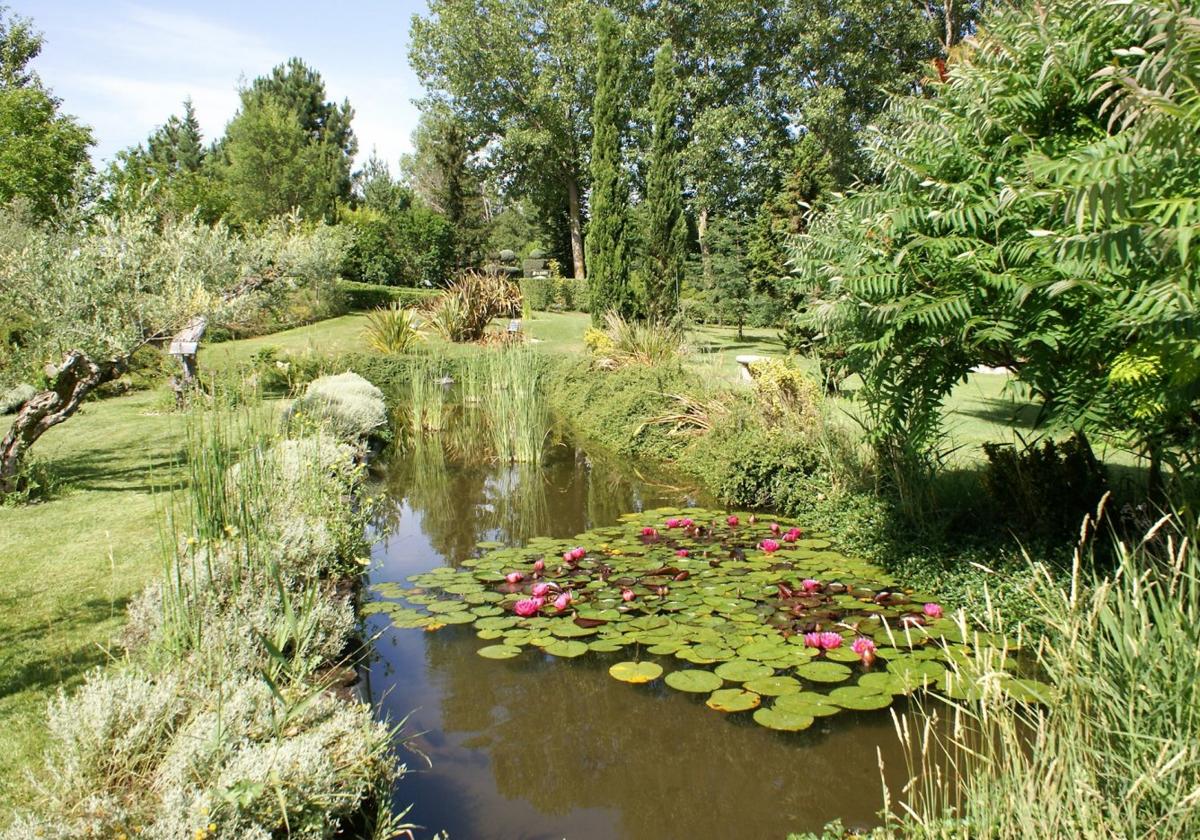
(124, 67)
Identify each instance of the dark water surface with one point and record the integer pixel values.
(538, 747)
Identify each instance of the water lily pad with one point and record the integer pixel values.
(1028, 691)
(566, 649)
(806, 702)
(694, 680)
(773, 686)
(783, 719)
(733, 700)
(606, 645)
(859, 698)
(824, 672)
(499, 651)
(881, 683)
(741, 670)
(636, 672)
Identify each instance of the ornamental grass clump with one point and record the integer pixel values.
(15, 397)
(164, 756)
(1117, 751)
(347, 404)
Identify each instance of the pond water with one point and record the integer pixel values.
(543, 747)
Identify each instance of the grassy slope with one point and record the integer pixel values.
(70, 565)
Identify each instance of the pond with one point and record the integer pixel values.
(542, 746)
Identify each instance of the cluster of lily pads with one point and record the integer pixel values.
(763, 618)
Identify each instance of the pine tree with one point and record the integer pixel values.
(666, 227)
(177, 145)
(607, 258)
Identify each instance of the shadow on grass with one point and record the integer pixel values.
(1004, 413)
(28, 665)
(118, 471)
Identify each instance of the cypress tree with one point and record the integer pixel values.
(666, 227)
(607, 266)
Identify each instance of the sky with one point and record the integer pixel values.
(123, 68)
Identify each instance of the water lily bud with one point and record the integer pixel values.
(514, 577)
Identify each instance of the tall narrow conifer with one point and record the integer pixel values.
(666, 227)
(607, 257)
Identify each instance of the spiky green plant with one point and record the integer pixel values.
(393, 329)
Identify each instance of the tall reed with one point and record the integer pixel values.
(516, 404)
(1116, 752)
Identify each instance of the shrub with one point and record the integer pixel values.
(539, 292)
(393, 329)
(786, 395)
(640, 342)
(349, 405)
(1047, 490)
(166, 756)
(410, 247)
(15, 397)
(360, 297)
(467, 307)
(573, 294)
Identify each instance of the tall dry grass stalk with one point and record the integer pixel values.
(1116, 751)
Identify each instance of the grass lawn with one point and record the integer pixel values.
(70, 565)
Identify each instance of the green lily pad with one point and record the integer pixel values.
(782, 719)
(566, 649)
(606, 645)
(859, 698)
(1028, 691)
(806, 703)
(499, 651)
(824, 672)
(773, 686)
(694, 680)
(636, 672)
(741, 670)
(733, 700)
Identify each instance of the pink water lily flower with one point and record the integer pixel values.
(562, 601)
(865, 648)
(539, 565)
(809, 585)
(792, 535)
(514, 577)
(682, 552)
(774, 527)
(812, 640)
(527, 607)
(672, 523)
(578, 553)
(649, 532)
(540, 590)
(830, 640)
(769, 546)
(732, 521)
(933, 610)
(627, 595)
(686, 523)
(540, 602)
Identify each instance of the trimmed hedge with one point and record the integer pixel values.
(364, 296)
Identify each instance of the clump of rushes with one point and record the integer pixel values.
(1117, 751)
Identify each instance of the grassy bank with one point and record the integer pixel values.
(71, 564)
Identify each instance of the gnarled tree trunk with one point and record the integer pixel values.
(71, 382)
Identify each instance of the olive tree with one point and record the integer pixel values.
(89, 293)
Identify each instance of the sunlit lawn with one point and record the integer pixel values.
(70, 565)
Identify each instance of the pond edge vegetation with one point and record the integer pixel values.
(233, 712)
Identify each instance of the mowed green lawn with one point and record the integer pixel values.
(71, 565)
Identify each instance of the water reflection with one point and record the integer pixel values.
(538, 747)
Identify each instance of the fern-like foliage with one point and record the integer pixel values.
(1037, 210)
